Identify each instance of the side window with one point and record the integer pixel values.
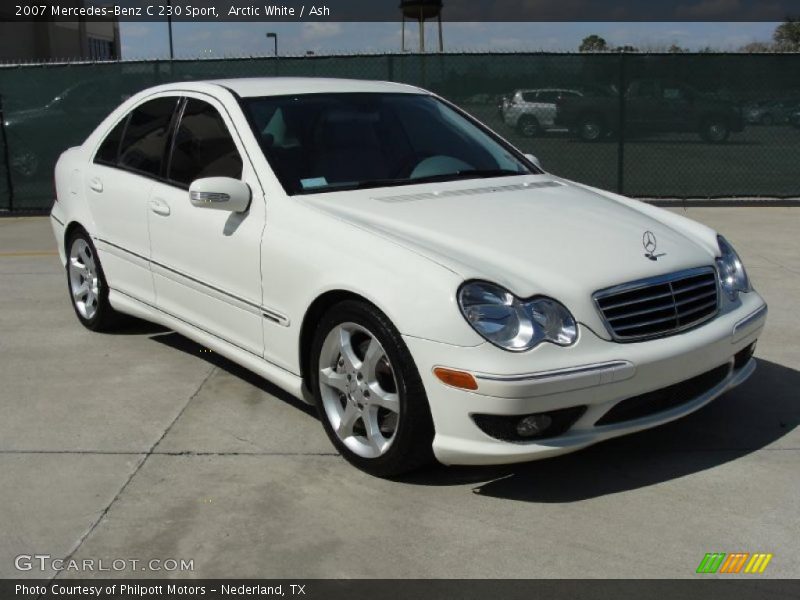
(146, 136)
(108, 151)
(548, 96)
(203, 146)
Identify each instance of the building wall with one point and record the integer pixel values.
(33, 41)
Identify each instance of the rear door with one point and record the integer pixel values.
(645, 106)
(678, 107)
(206, 263)
(118, 184)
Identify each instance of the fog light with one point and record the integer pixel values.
(526, 428)
(533, 425)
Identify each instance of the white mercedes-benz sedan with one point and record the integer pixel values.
(379, 253)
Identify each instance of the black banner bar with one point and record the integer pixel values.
(749, 587)
(390, 10)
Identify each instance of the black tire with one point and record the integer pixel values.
(104, 318)
(411, 447)
(715, 131)
(529, 126)
(591, 129)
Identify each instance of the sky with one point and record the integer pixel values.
(231, 39)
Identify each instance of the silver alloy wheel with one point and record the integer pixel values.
(590, 130)
(83, 281)
(359, 390)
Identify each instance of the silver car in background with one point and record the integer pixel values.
(532, 112)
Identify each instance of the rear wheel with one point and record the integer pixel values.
(369, 394)
(529, 126)
(715, 131)
(88, 289)
(591, 129)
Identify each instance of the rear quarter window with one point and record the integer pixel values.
(145, 139)
(108, 152)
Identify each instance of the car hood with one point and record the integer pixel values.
(531, 234)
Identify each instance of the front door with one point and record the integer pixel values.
(206, 263)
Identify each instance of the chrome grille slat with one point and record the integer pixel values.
(648, 311)
(644, 323)
(638, 301)
(659, 306)
(707, 294)
(694, 310)
(693, 287)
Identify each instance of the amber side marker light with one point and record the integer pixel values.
(457, 379)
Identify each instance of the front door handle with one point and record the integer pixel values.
(96, 185)
(158, 206)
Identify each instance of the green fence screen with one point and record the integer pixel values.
(648, 125)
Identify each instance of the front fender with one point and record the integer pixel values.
(311, 253)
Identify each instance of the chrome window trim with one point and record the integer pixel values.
(652, 281)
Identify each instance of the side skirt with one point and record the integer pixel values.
(289, 382)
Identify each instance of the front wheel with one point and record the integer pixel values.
(368, 391)
(88, 289)
(715, 131)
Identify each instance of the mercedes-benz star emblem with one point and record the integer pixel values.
(650, 244)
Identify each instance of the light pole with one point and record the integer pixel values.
(169, 26)
(274, 37)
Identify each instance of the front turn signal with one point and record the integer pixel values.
(456, 379)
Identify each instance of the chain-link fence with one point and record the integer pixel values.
(650, 125)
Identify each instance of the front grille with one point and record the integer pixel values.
(658, 401)
(659, 306)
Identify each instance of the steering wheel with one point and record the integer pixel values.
(408, 165)
(439, 164)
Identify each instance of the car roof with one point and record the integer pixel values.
(248, 87)
(524, 91)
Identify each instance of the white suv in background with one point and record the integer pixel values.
(532, 111)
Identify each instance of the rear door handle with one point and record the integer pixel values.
(96, 185)
(158, 206)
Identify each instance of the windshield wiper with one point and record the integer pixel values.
(485, 173)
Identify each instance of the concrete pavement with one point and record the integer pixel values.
(142, 445)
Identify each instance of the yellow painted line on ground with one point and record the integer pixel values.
(30, 253)
(12, 220)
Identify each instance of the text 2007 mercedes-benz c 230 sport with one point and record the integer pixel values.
(375, 251)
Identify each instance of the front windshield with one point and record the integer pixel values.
(328, 142)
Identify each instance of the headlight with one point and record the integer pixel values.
(732, 276)
(514, 324)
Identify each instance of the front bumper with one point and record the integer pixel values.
(595, 373)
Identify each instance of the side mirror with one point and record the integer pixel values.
(220, 193)
(534, 160)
